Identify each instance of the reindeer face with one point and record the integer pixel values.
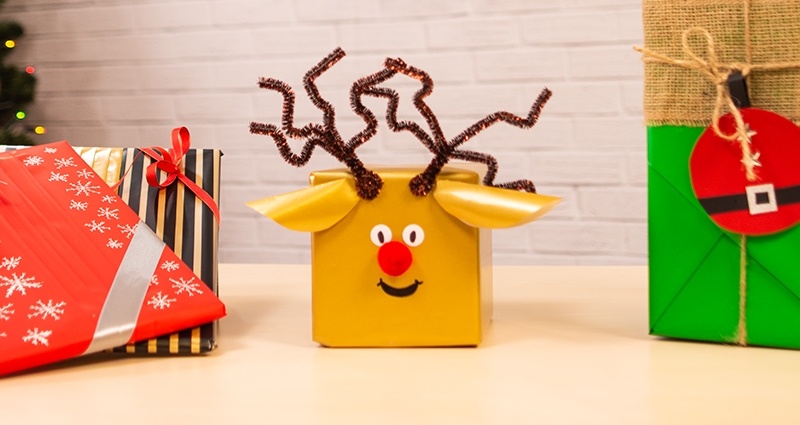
(397, 270)
(401, 270)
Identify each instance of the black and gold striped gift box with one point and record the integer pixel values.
(177, 216)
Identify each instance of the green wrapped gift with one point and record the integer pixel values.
(707, 283)
(695, 265)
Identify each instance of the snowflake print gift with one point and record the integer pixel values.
(79, 271)
(180, 205)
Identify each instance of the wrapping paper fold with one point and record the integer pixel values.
(78, 271)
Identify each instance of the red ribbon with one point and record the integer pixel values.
(169, 162)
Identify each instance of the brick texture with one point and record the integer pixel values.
(121, 73)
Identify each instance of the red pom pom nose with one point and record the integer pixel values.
(394, 258)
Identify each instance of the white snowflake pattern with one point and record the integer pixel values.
(33, 160)
(19, 283)
(97, 227)
(110, 199)
(81, 188)
(190, 287)
(85, 174)
(50, 150)
(169, 266)
(9, 263)
(3, 334)
(37, 337)
(108, 213)
(65, 162)
(160, 301)
(40, 309)
(154, 280)
(57, 177)
(114, 244)
(128, 230)
(76, 205)
(6, 311)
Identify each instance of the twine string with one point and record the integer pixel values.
(741, 329)
(748, 51)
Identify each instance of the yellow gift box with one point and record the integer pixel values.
(401, 257)
(401, 270)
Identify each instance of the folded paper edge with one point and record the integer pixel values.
(491, 207)
(310, 209)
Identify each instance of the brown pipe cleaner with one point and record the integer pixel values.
(368, 183)
(443, 150)
(326, 136)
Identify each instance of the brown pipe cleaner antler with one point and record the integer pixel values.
(368, 183)
(443, 150)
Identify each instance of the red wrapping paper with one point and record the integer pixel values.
(64, 238)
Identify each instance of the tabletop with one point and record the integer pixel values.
(567, 345)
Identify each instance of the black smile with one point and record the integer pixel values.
(399, 292)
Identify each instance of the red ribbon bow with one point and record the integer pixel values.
(169, 162)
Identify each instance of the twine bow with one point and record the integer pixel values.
(718, 73)
(168, 161)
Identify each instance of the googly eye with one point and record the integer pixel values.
(413, 235)
(380, 234)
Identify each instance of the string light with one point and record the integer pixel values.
(15, 125)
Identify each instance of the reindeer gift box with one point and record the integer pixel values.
(401, 257)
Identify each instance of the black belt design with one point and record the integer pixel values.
(738, 202)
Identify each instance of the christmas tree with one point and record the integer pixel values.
(17, 86)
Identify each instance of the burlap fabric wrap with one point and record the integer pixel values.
(754, 32)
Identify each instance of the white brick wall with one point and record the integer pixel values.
(124, 73)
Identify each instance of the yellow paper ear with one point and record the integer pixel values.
(311, 209)
(491, 207)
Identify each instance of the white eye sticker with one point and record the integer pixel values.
(413, 235)
(380, 234)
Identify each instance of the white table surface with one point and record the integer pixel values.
(568, 345)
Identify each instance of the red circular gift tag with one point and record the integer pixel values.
(769, 204)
